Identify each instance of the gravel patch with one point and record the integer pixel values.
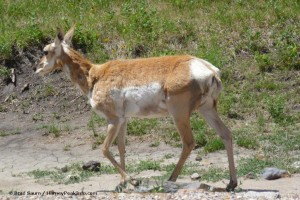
(181, 194)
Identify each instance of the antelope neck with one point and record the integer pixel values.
(77, 67)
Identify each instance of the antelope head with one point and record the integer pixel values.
(53, 52)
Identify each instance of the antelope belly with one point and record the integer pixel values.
(141, 101)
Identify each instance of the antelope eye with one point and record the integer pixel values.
(45, 53)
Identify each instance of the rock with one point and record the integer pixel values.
(143, 189)
(170, 186)
(92, 166)
(154, 186)
(274, 173)
(296, 107)
(13, 76)
(8, 90)
(25, 87)
(250, 175)
(195, 176)
(198, 158)
(73, 178)
(191, 186)
(205, 187)
(65, 169)
(260, 195)
(210, 188)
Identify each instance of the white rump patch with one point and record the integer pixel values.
(200, 71)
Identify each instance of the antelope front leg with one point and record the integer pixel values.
(188, 144)
(181, 117)
(121, 143)
(112, 132)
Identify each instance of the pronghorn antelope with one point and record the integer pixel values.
(146, 87)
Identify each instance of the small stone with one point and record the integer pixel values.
(260, 195)
(191, 186)
(92, 166)
(274, 173)
(195, 176)
(198, 158)
(25, 87)
(170, 186)
(218, 189)
(65, 169)
(205, 187)
(250, 175)
(73, 178)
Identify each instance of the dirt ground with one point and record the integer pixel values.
(33, 101)
(31, 150)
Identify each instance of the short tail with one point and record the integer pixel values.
(215, 86)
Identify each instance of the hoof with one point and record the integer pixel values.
(230, 187)
(135, 182)
(121, 187)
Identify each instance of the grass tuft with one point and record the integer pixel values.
(52, 129)
(215, 144)
(141, 126)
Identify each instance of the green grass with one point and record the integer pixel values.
(169, 155)
(140, 126)
(8, 133)
(4, 72)
(214, 144)
(214, 174)
(253, 165)
(74, 174)
(56, 127)
(37, 117)
(276, 108)
(98, 140)
(246, 137)
(95, 122)
(67, 147)
(45, 91)
(148, 165)
(155, 143)
(161, 27)
(52, 128)
(3, 108)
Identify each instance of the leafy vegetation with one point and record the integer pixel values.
(4, 72)
(245, 138)
(95, 121)
(71, 174)
(140, 127)
(214, 144)
(52, 129)
(8, 133)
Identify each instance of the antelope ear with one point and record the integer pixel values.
(69, 35)
(59, 37)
